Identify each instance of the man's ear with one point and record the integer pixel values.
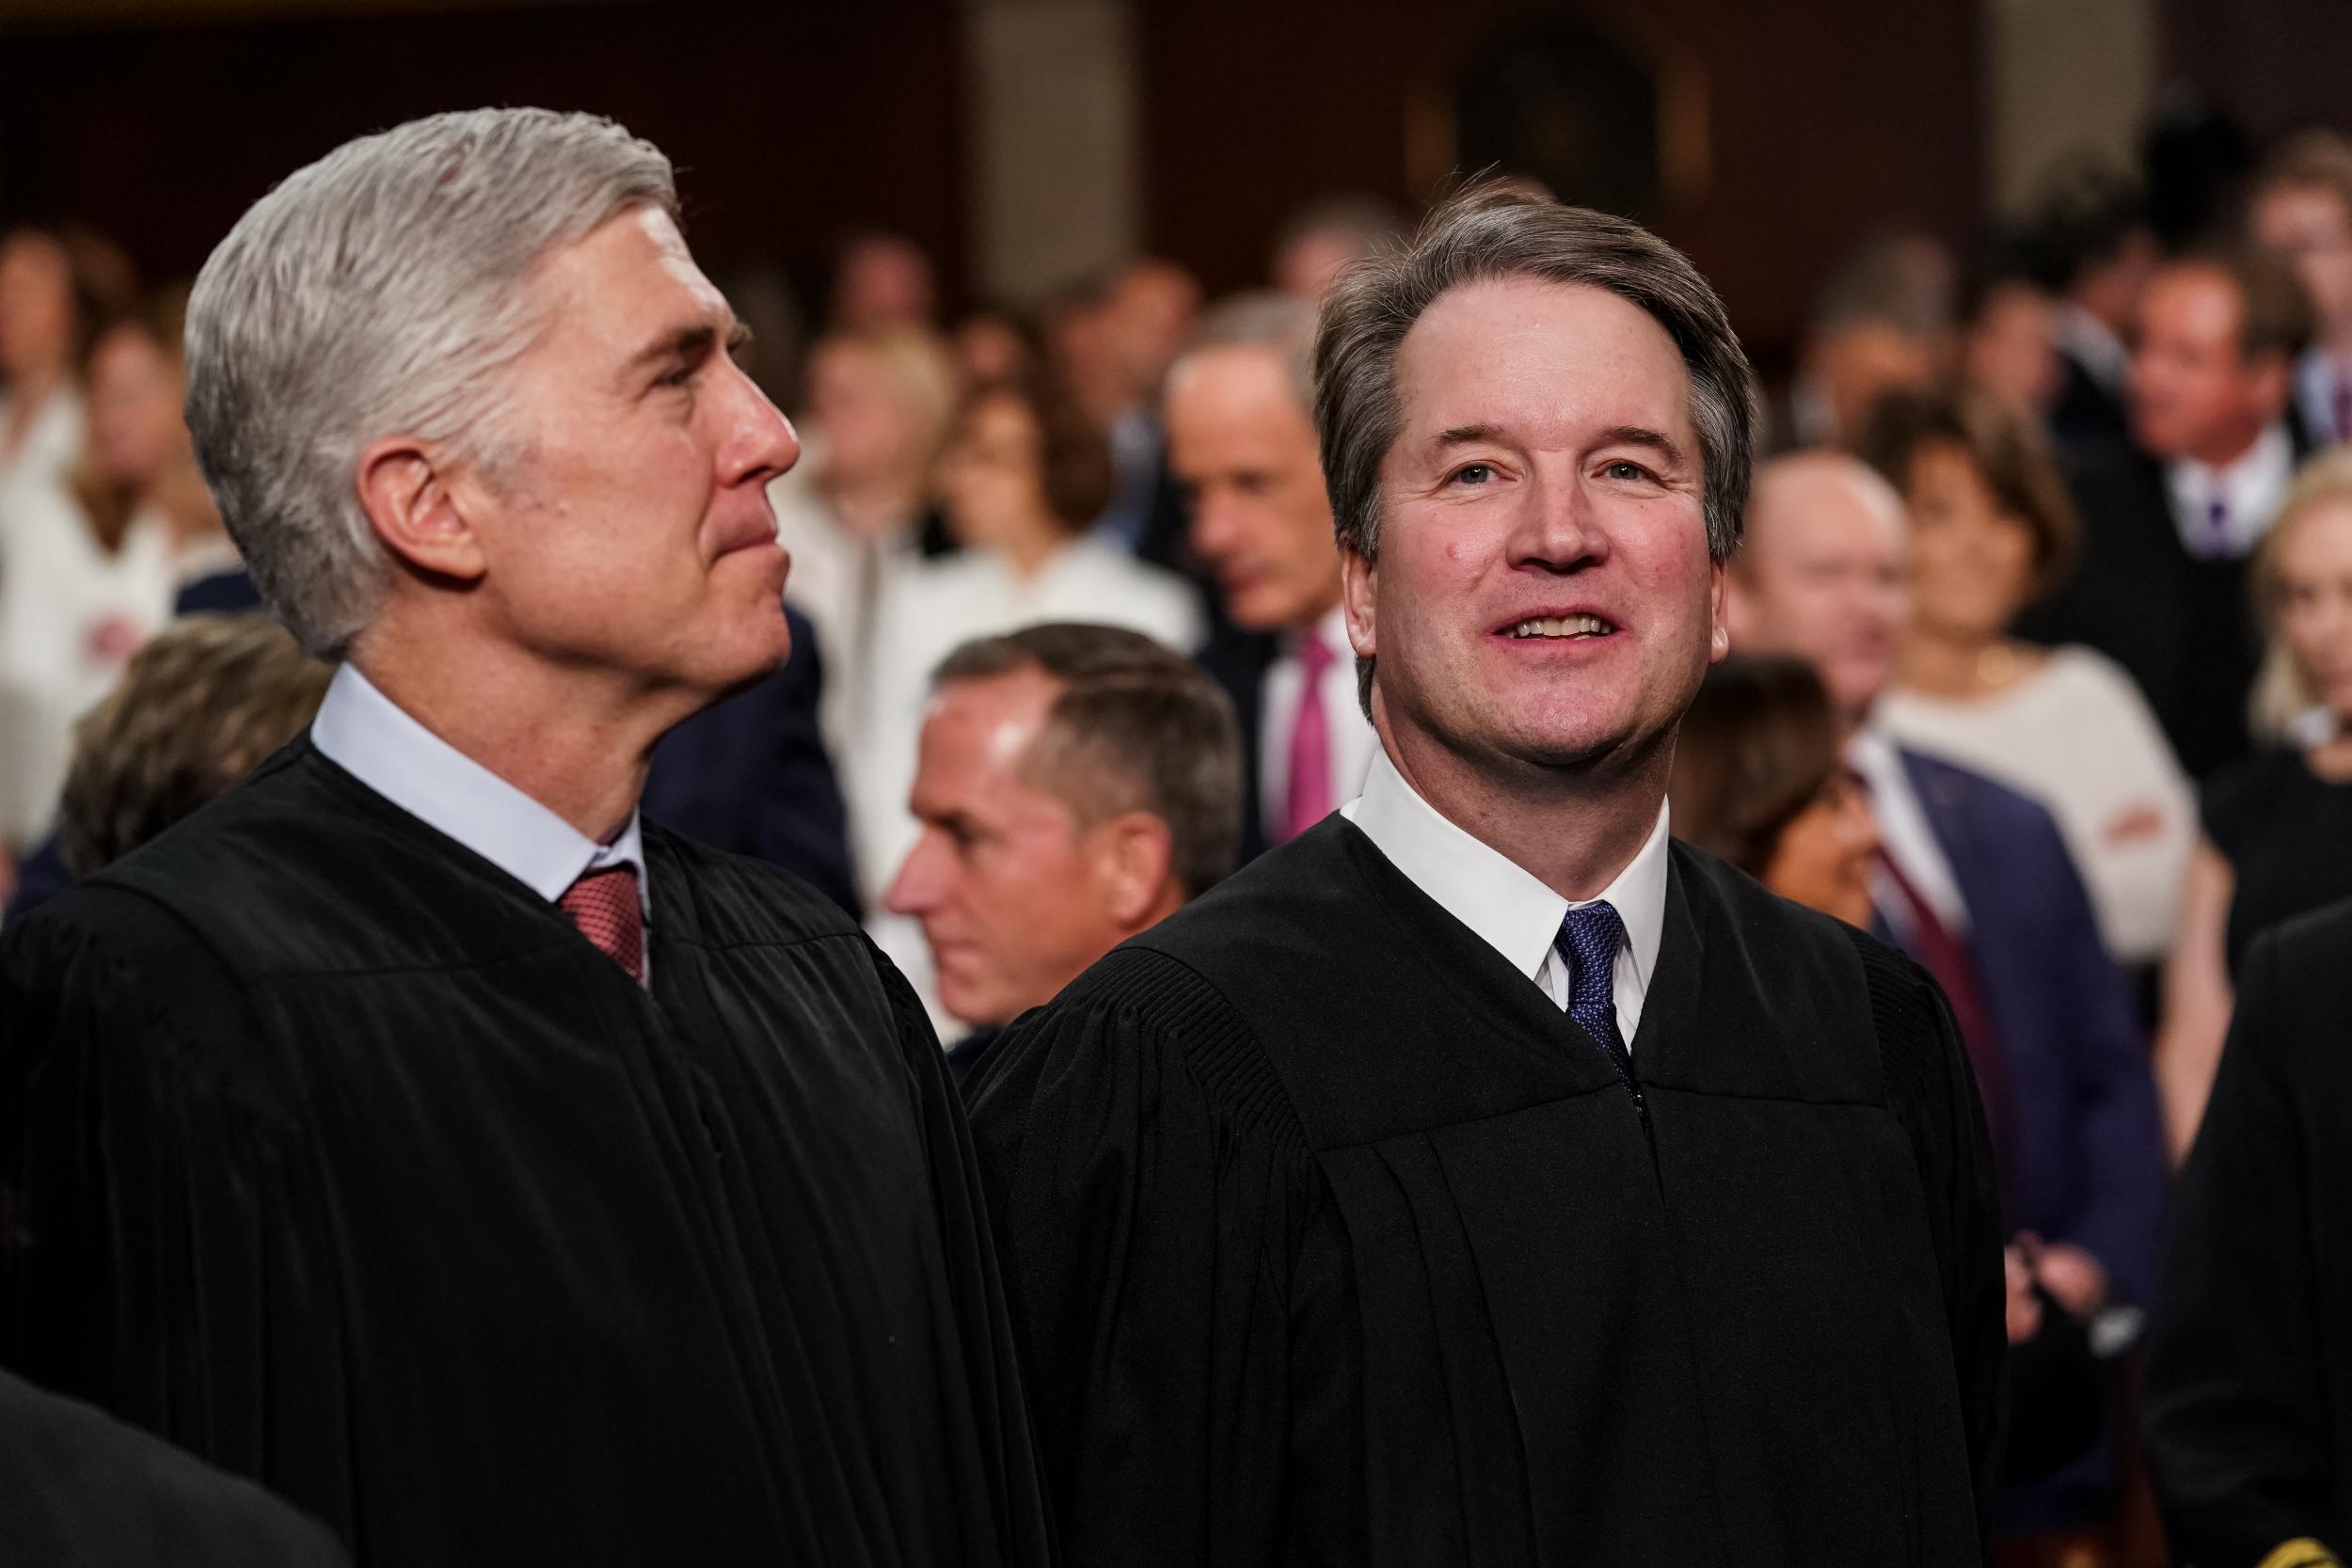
(1358, 577)
(1719, 609)
(1135, 857)
(2274, 382)
(407, 491)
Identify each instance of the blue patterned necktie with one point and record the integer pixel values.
(1588, 943)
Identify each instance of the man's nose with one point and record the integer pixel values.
(915, 888)
(763, 444)
(1557, 528)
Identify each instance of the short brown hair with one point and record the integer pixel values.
(2009, 453)
(2309, 160)
(1073, 456)
(2275, 316)
(1494, 232)
(1759, 745)
(198, 709)
(1135, 727)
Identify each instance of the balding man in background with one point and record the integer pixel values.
(1241, 438)
(1975, 883)
(1077, 784)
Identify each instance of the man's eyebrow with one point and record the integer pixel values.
(1642, 435)
(1461, 436)
(689, 341)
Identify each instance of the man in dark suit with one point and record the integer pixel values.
(1975, 881)
(2089, 245)
(1240, 417)
(750, 775)
(2249, 1375)
(2168, 525)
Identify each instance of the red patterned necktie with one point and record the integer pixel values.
(603, 904)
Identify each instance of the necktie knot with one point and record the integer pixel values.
(604, 905)
(1590, 939)
(1591, 936)
(2217, 525)
(1315, 655)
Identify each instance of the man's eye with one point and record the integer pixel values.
(678, 378)
(1627, 469)
(1474, 473)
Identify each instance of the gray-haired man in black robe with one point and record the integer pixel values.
(497, 1178)
(1483, 1177)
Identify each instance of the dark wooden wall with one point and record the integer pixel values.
(788, 122)
(1825, 120)
(2274, 64)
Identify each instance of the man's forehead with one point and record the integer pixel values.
(634, 272)
(1558, 359)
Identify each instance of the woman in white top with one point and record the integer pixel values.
(1022, 481)
(1990, 528)
(94, 564)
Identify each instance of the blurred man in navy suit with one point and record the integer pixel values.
(1975, 883)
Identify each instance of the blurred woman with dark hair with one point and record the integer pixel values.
(1759, 779)
(1991, 528)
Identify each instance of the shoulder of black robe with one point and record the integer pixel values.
(338, 1158)
(78, 1489)
(1213, 1335)
(2249, 1385)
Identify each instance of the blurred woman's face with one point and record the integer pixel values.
(1972, 562)
(2315, 569)
(1822, 860)
(2012, 349)
(133, 395)
(36, 306)
(992, 479)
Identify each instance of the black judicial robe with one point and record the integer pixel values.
(1332, 1239)
(338, 1157)
(79, 1489)
(2249, 1356)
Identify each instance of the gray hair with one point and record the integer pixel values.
(1282, 324)
(376, 292)
(1489, 232)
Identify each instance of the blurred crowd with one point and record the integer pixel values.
(2041, 650)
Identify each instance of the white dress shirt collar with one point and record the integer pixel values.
(1502, 901)
(2251, 490)
(1907, 835)
(370, 736)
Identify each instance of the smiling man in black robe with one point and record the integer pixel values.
(1483, 1177)
(497, 1178)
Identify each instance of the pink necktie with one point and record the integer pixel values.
(603, 904)
(1310, 795)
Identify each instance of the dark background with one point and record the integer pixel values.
(1825, 119)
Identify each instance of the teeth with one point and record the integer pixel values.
(1561, 625)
